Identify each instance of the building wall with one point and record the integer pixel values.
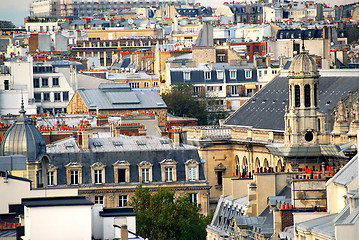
(204, 55)
(113, 34)
(62, 222)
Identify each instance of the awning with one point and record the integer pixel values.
(250, 86)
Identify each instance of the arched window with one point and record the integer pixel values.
(297, 96)
(307, 95)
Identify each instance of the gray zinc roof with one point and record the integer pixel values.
(347, 174)
(119, 96)
(266, 109)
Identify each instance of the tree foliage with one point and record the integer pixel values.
(181, 103)
(206, 109)
(162, 216)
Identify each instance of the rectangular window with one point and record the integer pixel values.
(259, 73)
(234, 90)
(65, 96)
(207, 75)
(55, 82)
(98, 199)
(46, 97)
(220, 75)
(265, 72)
(74, 177)
(135, 85)
(256, 49)
(147, 84)
(6, 84)
(57, 96)
(191, 173)
(196, 90)
(248, 73)
(121, 175)
(122, 201)
(168, 174)
(193, 198)
(233, 74)
(98, 176)
(50, 178)
(37, 97)
(145, 173)
(221, 58)
(186, 76)
(36, 82)
(45, 82)
(155, 84)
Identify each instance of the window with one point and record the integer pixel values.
(55, 82)
(57, 96)
(187, 76)
(98, 199)
(221, 58)
(249, 92)
(45, 82)
(65, 96)
(248, 73)
(256, 49)
(168, 174)
(50, 178)
(265, 72)
(233, 74)
(98, 176)
(36, 82)
(315, 95)
(193, 198)
(145, 174)
(297, 95)
(259, 73)
(98, 173)
(191, 173)
(248, 49)
(134, 84)
(6, 85)
(37, 97)
(307, 95)
(155, 84)
(122, 201)
(207, 75)
(196, 90)
(121, 169)
(234, 90)
(46, 97)
(220, 74)
(168, 170)
(192, 170)
(147, 84)
(219, 177)
(74, 177)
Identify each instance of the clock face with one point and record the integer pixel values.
(308, 136)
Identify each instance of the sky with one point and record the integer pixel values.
(17, 10)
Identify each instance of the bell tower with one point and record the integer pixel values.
(304, 124)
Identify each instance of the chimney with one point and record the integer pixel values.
(277, 220)
(124, 232)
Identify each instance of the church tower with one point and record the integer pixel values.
(304, 124)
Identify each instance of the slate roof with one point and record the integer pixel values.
(55, 201)
(266, 109)
(119, 96)
(347, 174)
(115, 212)
(134, 150)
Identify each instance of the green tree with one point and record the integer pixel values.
(162, 216)
(181, 103)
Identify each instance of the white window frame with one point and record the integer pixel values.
(50, 178)
(98, 173)
(145, 165)
(99, 200)
(192, 170)
(234, 72)
(220, 74)
(207, 75)
(248, 73)
(74, 171)
(187, 75)
(122, 200)
(74, 177)
(168, 168)
(194, 198)
(234, 90)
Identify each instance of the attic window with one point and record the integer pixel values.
(97, 144)
(69, 145)
(117, 143)
(140, 143)
(164, 141)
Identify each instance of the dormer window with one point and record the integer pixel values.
(145, 171)
(122, 171)
(192, 170)
(168, 170)
(74, 173)
(98, 173)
